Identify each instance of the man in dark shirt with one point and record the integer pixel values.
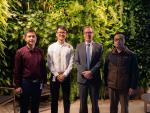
(29, 73)
(121, 74)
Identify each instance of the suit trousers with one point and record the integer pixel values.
(117, 96)
(54, 91)
(30, 96)
(93, 90)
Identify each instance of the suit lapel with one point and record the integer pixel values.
(93, 51)
(84, 53)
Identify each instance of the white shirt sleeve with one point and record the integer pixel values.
(71, 61)
(50, 61)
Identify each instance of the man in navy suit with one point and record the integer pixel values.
(88, 60)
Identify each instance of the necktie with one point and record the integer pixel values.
(88, 55)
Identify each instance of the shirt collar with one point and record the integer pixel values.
(29, 49)
(61, 44)
(89, 43)
(123, 51)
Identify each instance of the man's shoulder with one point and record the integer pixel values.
(21, 51)
(97, 44)
(24, 48)
(130, 52)
(80, 44)
(52, 45)
(69, 45)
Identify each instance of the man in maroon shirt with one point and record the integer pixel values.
(29, 73)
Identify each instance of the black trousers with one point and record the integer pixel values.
(30, 96)
(93, 90)
(117, 96)
(54, 91)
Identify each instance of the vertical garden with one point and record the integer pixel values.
(105, 16)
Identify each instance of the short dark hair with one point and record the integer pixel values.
(28, 31)
(86, 27)
(122, 33)
(61, 27)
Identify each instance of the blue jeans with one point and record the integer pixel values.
(30, 96)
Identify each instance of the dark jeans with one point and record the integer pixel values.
(54, 91)
(117, 96)
(30, 96)
(93, 90)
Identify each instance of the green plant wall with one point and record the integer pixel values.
(4, 15)
(105, 16)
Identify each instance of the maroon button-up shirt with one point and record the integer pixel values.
(29, 64)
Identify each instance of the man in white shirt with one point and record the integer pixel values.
(60, 61)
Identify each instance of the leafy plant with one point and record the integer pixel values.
(105, 16)
(137, 24)
(4, 15)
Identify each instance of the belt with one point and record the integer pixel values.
(33, 80)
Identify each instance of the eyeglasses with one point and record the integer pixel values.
(88, 32)
(61, 32)
(118, 39)
(33, 36)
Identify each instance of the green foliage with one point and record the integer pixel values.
(4, 14)
(137, 24)
(105, 16)
(102, 16)
(74, 85)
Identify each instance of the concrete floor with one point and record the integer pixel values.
(135, 106)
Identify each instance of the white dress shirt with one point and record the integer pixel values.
(60, 58)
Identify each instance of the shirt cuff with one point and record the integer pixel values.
(17, 85)
(65, 74)
(55, 74)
